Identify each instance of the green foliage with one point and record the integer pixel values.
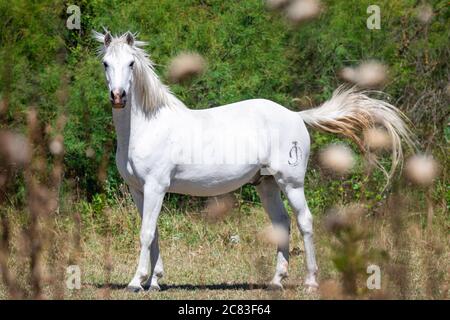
(251, 53)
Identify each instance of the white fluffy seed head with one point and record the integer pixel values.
(56, 145)
(337, 157)
(185, 66)
(369, 74)
(274, 234)
(377, 139)
(349, 74)
(343, 217)
(14, 148)
(90, 152)
(421, 169)
(299, 11)
(217, 208)
(424, 13)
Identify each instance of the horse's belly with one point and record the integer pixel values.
(211, 180)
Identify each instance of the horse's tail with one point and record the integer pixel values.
(350, 112)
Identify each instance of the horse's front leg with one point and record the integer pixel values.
(158, 270)
(153, 198)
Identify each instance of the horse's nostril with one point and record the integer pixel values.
(118, 97)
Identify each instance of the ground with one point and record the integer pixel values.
(204, 264)
(201, 260)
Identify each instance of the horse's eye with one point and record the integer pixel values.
(131, 64)
(105, 64)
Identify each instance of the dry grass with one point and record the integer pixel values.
(201, 262)
(216, 253)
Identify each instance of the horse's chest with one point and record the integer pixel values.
(127, 171)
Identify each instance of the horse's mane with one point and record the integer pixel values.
(150, 93)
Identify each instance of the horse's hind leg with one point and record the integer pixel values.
(270, 195)
(294, 191)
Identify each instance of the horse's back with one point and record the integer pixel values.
(256, 114)
(252, 105)
(250, 111)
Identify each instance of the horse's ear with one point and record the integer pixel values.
(107, 40)
(129, 38)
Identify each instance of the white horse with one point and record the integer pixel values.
(162, 146)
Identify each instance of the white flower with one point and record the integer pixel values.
(377, 139)
(56, 145)
(274, 234)
(338, 158)
(369, 74)
(14, 148)
(422, 169)
(302, 10)
(185, 66)
(424, 13)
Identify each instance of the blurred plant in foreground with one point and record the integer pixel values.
(349, 229)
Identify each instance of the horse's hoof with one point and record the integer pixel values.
(311, 284)
(275, 286)
(154, 287)
(312, 289)
(135, 288)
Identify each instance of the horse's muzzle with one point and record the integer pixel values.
(118, 98)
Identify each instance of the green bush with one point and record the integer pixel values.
(251, 52)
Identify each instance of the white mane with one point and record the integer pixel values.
(150, 93)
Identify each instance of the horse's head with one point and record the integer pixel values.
(128, 68)
(118, 60)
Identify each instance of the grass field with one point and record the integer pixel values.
(202, 262)
(62, 200)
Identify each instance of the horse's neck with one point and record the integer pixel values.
(126, 121)
(132, 119)
(122, 123)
